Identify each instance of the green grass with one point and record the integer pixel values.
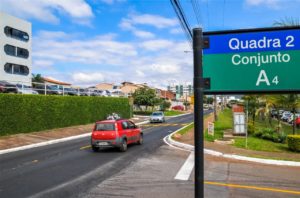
(173, 113)
(288, 129)
(186, 129)
(258, 144)
(167, 113)
(224, 122)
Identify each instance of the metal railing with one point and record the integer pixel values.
(52, 89)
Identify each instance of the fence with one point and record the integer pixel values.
(53, 89)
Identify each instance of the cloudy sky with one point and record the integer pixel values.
(86, 42)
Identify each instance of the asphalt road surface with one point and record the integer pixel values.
(71, 169)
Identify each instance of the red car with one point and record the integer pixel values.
(178, 107)
(115, 133)
(298, 122)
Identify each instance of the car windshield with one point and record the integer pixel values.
(105, 127)
(157, 114)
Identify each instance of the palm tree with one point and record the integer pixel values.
(287, 21)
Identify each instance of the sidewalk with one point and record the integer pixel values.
(188, 138)
(18, 140)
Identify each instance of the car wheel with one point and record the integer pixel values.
(141, 140)
(95, 149)
(123, 147)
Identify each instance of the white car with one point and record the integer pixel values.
(157, 117)
(24, 89)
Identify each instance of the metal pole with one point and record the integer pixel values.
(198, 112)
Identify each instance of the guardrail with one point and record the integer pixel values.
(52, 89)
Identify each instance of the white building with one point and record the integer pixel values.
(182, 91)
(15, 49)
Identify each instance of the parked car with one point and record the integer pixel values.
(286, 116)
(6, 87)
(115, 133)
(70, 92)
(291, 119)
(50, 90)
(157, 117)
(274, 113)
(297, 121)
(83, 92)
(178, 107)
(25, 89)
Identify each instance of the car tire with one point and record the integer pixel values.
(95, 149)
(141, 140)
(123, 146)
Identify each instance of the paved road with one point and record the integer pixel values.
(66, 169)
(71, 169)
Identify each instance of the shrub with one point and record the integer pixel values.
(251, 128)
(294, 142)
(27, 113)
(279, 138)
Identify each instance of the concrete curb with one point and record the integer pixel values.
(52, 142)
(187, 147)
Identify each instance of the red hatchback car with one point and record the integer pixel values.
(115, 133)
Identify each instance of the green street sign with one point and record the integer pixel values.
(253, 61)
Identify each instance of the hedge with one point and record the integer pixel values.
(28, 113)
(294, 142)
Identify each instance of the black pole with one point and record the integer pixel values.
(198, 112)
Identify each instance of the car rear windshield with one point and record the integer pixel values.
(105, 127)
(156, 114)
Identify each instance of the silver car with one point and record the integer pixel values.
(157, 117)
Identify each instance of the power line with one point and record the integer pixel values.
(182, 20)
(196, 11)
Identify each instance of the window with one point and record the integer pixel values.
(105, 127)
(17, 34)
(10, 50)
(23, 53)
(16, 69)
(124, 125)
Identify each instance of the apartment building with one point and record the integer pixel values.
(15, 49)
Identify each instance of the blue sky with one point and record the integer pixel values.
(86, 42)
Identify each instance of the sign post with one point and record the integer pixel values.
(264, 60)
(198, 112)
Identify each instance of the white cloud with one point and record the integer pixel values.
(274, 4)
(88, 77)
(176, 31)
(143, 34)
(132, 21)
(46, 10)
(101, 49)
(42, 64)
(111, 1)
(154, 45)
(152, 20)
(89, 61)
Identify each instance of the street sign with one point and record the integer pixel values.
(211, 128)
(253, 60)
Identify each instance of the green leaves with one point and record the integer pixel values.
(28, 113)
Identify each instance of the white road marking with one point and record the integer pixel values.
(187, 168)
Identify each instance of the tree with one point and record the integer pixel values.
(144, 96)
(37, 78)
(165, 105)
(287, 21)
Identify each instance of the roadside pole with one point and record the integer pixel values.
(198, 112)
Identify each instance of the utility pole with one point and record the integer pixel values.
(198, 112)
(215, 108)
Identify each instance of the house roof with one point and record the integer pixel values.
(55, 81)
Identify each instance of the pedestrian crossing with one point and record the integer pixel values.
(164, 124)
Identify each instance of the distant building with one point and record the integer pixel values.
(182, 91)
(128, 88)
(15, 51)
(59, 84)
(167, 95)
(106, 86)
